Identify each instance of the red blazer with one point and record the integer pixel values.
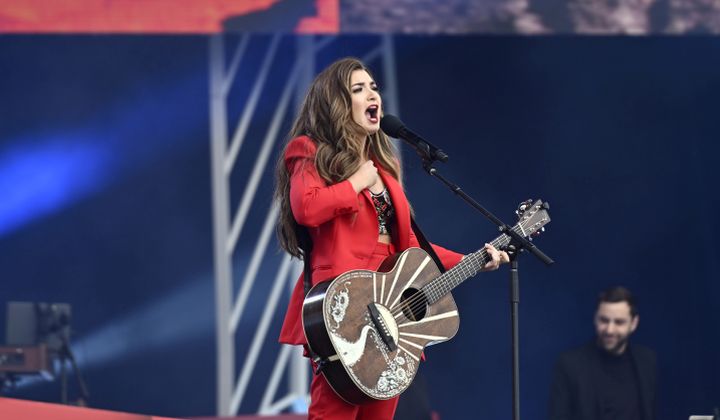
(343, 226)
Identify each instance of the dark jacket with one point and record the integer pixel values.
(574, 394)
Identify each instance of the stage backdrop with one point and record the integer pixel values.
(105, 186)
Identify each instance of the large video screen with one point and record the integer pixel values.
(168, 16)
(528, 17)
(531, 17)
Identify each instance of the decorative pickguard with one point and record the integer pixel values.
(399, 370)
(351, 351)
(377, 371)
(340, 302)
(396, 377)
(338, 299)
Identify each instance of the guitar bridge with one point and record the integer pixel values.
(381, 327)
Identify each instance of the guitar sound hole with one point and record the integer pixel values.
(414, 304)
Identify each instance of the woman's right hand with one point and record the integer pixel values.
(365, 177)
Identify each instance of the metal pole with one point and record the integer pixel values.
(221, 226)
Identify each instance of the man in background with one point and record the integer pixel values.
(608, 378)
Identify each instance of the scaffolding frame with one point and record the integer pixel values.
(227, 229)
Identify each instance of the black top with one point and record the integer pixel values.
(589, 384)
(619, 395)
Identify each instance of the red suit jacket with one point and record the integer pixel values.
(343, 226)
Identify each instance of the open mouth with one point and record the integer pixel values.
(372, 114)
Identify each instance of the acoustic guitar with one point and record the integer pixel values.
(368, 329)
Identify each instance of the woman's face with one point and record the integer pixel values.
(366, 101)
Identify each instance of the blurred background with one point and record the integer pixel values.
(115, 117)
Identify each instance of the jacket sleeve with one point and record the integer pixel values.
(312, 201)
(448, 258)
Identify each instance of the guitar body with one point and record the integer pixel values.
(372, 327)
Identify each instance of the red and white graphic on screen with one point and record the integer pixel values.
(167, 16)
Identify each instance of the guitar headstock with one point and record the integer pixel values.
(533, 216)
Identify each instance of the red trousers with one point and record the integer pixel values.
(324, 402)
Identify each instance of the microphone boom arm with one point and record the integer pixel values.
(426, 150)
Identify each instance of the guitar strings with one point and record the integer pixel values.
(420, 299)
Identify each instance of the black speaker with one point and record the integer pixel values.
(21, 324)
(32, 323)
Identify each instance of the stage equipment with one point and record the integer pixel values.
(37, 338)
(393, 127)
(517, 244)
(25, 360)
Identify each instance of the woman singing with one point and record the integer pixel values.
(339, 178)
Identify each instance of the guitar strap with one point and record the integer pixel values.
(305, 244)
(425, 245)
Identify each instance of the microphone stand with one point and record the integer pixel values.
(430, 154)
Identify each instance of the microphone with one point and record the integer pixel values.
(393, 127)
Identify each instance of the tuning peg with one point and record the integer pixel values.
(522, 207)
(537, 233)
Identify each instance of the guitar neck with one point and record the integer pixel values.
(468, 267)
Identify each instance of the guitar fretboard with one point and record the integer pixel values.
(465, 269)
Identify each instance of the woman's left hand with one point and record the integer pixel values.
(498, 257)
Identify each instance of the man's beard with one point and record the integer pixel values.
(621, 343)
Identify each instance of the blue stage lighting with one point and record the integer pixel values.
(39, 176)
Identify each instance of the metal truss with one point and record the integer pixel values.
(225, 149)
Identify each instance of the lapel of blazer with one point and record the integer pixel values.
(402, 208)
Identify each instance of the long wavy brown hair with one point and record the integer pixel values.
(326, 117)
